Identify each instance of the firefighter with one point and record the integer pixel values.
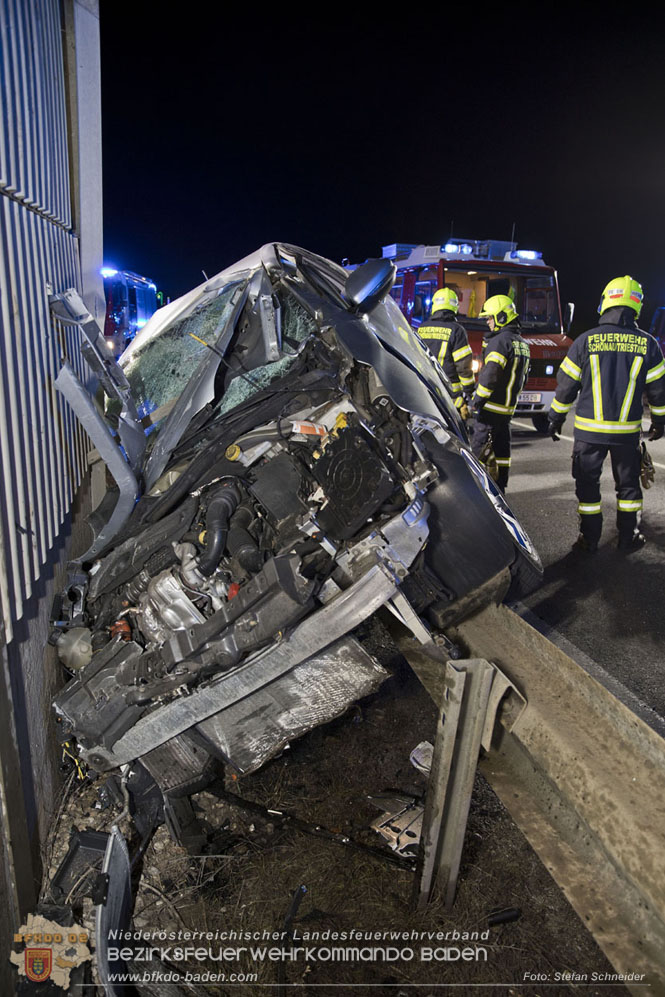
(504, 371)
(608, 369)
(446, 339)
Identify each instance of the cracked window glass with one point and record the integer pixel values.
(160, 368)
(297, 325)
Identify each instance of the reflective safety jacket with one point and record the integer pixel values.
(505, 367)
(446, 339)
(610, 367)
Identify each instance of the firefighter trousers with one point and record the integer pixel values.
(495, 428)
(588, 459)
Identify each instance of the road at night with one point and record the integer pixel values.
(608, 605)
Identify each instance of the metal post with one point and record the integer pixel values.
(458, 738)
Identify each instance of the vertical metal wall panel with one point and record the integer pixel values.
(34, 159)
(11, 48)
(5, 600)
(42, 448)
(8, 135)
(50, 221)
(18, 369)
(40, 425)
(50, 76)
(48, 357)
(24, 181)
(12, 483)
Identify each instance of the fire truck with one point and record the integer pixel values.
(476, 270)
(130, 302)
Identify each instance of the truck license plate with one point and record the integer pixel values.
(529, 397)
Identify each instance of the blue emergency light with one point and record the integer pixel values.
(527, 254)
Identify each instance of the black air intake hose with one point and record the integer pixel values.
(220, 509)
(241, 543)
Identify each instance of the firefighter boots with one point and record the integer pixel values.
(631, 541)
(585, 546)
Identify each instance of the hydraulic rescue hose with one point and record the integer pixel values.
(220, 509)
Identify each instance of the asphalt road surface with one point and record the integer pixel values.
(609, 605)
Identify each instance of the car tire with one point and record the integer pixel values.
(525, 577)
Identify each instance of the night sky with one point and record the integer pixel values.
(344, 133)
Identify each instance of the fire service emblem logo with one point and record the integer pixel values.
(38, 964)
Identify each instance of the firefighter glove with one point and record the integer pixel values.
(554, 428)
(476, 405)
(656, 430)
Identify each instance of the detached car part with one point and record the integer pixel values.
(301, 465)
(401, 824)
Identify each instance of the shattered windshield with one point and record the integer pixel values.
(161, 366)
(296, 325)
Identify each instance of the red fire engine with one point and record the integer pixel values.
(475, 270)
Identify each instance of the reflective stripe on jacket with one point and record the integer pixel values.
(610, 367)
(504, 371)
(447, 341)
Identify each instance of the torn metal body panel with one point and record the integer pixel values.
(98, 431)
(401, 823)
(302, 464)
(113, 912)
(257, 727)
(69, 307)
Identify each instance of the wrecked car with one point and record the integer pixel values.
(287, 460)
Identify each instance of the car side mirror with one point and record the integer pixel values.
(568, 315)
(367, 286)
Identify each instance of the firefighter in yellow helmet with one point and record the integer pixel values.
(504, 371)
(607, 370)
(447, 340)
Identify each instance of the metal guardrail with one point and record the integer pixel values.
(582, 776)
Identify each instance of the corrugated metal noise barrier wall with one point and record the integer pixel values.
(42, 450)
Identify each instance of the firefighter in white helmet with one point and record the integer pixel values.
(504, 371)
(607, 370)
(447, 340)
